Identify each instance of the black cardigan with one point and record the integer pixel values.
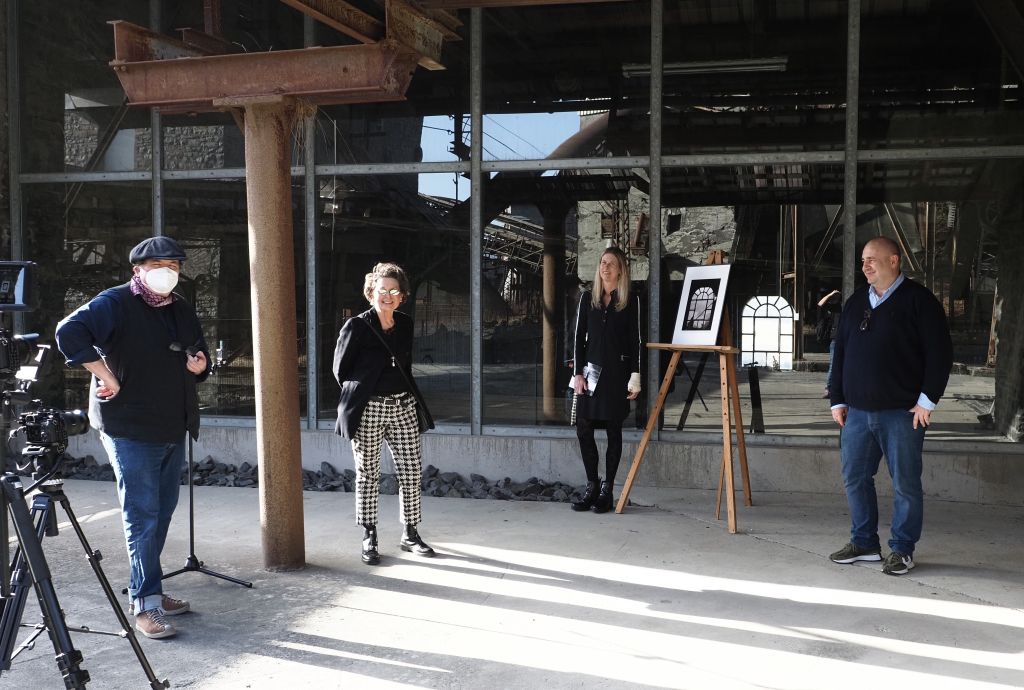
(359, 359)
(610, 339)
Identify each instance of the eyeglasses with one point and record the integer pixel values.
(866, 323)
(394, 292)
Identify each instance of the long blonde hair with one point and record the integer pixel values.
(622, 289)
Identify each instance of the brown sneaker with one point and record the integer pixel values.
(170, 605)
(174, 607)
(152, 624)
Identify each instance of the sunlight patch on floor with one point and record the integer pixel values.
(683, 581)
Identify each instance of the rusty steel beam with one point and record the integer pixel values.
(417, 31)
(134, 43)
(404, 23)
(450, 20)
(343, 74)
(207, 44)
(342, 17)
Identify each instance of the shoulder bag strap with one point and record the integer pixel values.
(401, 369)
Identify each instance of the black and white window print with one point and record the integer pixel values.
(700, 309)
(701, 304)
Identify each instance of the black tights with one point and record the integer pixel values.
(588, 448)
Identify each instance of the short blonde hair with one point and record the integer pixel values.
(622, 288)
(385, 270)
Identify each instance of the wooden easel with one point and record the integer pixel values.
(730, 397)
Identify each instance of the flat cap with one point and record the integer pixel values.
(156, 248)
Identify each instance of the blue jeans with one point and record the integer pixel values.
(148, 478)
(865, 438)
(831, 353)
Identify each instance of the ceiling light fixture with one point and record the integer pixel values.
(772, 64)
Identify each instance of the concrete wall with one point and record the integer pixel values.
(961, 471)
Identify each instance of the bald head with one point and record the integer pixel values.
(880, 263)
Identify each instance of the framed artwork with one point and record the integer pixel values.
(700, 305)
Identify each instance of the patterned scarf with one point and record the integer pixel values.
(153, 299)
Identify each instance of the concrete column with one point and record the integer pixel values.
(268, 127)
(554, 311)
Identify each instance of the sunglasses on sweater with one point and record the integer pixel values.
(866, 323)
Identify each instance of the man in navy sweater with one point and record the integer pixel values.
(144, 347)
(893, 355)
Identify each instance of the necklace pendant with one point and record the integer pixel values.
(393, 363)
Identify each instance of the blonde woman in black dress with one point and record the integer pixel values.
(608, 341)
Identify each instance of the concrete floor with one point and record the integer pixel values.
(528, 595)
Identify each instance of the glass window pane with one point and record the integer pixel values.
(416, 222)
(73, 114)
(559, 220)
(944, 93)
(206, 141)
(561, 88)
(733, 69)
(209, 217)
(80, 237)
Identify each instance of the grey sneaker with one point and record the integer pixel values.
(897, 563)
(852, 553)
(152, 624)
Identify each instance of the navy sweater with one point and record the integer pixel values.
(158, 401)
(905, 350)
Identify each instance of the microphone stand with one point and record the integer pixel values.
(192, 563)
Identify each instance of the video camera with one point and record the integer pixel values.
(46, 430)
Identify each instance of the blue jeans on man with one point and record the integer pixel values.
(866, 437)
(148, 479)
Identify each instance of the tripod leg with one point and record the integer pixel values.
(94, 560)
(31, 561)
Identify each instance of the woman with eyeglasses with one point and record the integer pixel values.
(381, 402)
(607, 368)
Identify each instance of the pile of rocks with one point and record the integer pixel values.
(209, 472)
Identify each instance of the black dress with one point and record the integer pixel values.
(610, 339)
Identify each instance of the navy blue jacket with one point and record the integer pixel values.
(158, 399)
(905, 350)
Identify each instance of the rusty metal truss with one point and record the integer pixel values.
(160, 71)
(421, 31)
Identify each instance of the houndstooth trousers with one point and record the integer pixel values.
(396, 424)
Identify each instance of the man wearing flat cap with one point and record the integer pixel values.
(144, 347)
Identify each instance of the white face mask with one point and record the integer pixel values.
(160, 280)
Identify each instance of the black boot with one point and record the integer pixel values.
(604, 499)
(413, 543)
(589, 496)
(370, 554)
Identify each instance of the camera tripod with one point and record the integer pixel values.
(29, 567)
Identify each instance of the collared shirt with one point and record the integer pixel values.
(874, 299)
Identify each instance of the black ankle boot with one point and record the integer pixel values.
(589, 496)
(413, 543)
(370, 554)
(604, 499)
